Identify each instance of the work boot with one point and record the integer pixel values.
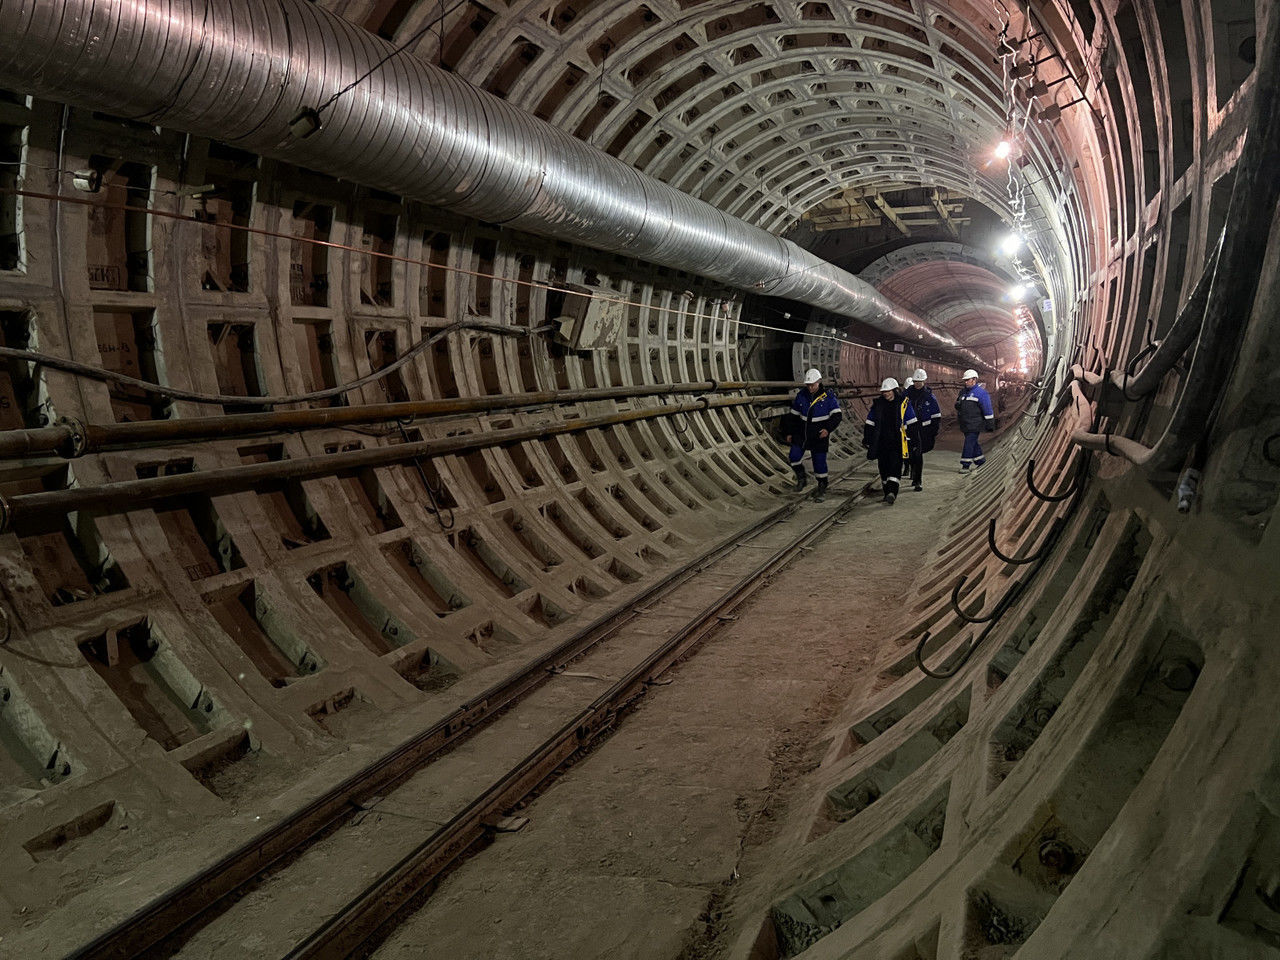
(821, 493)
(889, 498)
(801, 477)
(917, 487)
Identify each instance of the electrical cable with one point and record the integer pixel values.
(375, 254)
(446, 268)
(76, 368)
(435, 497)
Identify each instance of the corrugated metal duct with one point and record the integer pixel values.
(240, 70)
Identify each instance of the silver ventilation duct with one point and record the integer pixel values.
(240, 70)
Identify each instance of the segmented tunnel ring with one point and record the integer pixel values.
(279, 632)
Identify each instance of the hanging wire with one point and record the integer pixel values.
(436, 510)
(91, 372)
(395, 258)
(418, 34)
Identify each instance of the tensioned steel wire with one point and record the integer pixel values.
(543, 285)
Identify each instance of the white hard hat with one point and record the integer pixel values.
(970, 375)
(919, 376)
(908, 382)
(889, 384)
(812, 375)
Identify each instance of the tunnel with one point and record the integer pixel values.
(403, 549)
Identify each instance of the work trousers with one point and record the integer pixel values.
(819, 460)
(915, 463)
(972, 453)
(890, 471)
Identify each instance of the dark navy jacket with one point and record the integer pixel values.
(891, 428)
(973, 410)
(929, 414)
(810, 413)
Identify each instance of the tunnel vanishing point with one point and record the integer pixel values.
(392, 404)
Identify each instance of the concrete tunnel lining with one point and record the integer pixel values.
(1092, 781)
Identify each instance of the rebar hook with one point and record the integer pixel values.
(1266, 450)
(1138, 357)
(955, 604)
(938, 674)
(1046, 497)
(1148, 348)
(1048, 542)
(1001, 607)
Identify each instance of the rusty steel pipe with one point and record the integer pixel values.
(71, 438)
(30, 510)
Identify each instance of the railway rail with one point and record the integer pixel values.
(636, 641)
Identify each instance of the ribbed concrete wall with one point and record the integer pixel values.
(1118, 712)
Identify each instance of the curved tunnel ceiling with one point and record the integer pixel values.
(1116, 726)
(767, 109)
(973, 302)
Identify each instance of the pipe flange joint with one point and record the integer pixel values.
(77, 441)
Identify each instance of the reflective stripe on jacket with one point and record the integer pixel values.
(887, 418)
(925, 405)
(973, 410)
(811, 413)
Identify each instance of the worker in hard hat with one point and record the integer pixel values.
(974, 414)
(889, 435)
(930, 416)
(815, 413)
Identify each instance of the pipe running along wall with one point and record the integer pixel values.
(241, 70)
(71, 437)
(28, 511)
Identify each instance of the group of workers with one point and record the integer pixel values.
(900, 428)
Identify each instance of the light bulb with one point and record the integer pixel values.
(1011, 244)
(1003, 149)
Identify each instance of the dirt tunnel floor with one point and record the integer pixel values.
(623, 854)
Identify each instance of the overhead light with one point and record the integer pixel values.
(1011, 244)
(1018, 292)
(1003, 149)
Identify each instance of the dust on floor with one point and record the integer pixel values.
(631, 854)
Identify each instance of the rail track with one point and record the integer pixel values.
(559, 716)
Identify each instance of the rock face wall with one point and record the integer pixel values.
(1095, 780)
